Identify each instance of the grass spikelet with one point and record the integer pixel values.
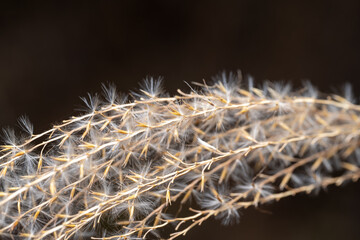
(119, 170)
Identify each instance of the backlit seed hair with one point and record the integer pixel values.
(127, 169)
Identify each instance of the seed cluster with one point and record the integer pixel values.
(157, 166)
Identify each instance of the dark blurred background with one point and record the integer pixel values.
(52, 52)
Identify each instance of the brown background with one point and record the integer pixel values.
(51, 53)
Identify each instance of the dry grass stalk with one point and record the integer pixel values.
(117, 171)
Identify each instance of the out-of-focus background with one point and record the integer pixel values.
(52, 52)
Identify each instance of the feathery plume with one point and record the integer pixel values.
(121, 170)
